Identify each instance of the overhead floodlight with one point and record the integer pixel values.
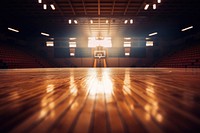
(70, 21)
(187, 28)
(126, 21)
(44, 34)
(44, 6)
(146, 7)
(11, 29)
(39, 1)
(75, 21)
(154, 6)
(152, 34)
(52, 7)
(131, 21)
(159, 1)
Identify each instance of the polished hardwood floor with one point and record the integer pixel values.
(100, 100)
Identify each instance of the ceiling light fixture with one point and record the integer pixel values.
(39, 1)
(131, 21)
(52, 7)
(154, 6)
(75, 21)
(146, 7)
(11, 29)
(44, 34)
(126, 21)
(159, 1)
(70, 21)
(106, 21)
(44, 6)
(152, 34)
(187, 28)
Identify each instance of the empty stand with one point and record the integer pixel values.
(188, 57)
(17, 57)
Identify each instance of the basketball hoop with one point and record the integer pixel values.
(99, 54)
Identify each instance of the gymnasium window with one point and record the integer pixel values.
(99, 41)
(127, 44)
(127, 41)
(149, 43)
(72, 44)
(49, 43)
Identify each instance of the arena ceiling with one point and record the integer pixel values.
(109, 17)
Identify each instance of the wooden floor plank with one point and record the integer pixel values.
(100, 100)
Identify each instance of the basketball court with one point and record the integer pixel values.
(92, 100)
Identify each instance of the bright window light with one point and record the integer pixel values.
(44, 6)
(44, 34)
(72, 38)
(94, 42)
(11, 29)
(159, 1)
(72, 54)
(52, 7)
(152, 34)
(190, 27)
(146, 7)
(39, 1)
(149, 43)
(127, 44)
(127, 54)
(154, 6)
(72, 44)
(127, 38)
(49, 43)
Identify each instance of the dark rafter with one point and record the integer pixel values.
(99, 13)
(113, 7)
(141, 7)
(83, 2)
(61, 12)
(71, 7)
(127, 7)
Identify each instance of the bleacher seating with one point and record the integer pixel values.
(186, 58)
(17, 57)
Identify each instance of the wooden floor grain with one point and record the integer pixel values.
(100, 100)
